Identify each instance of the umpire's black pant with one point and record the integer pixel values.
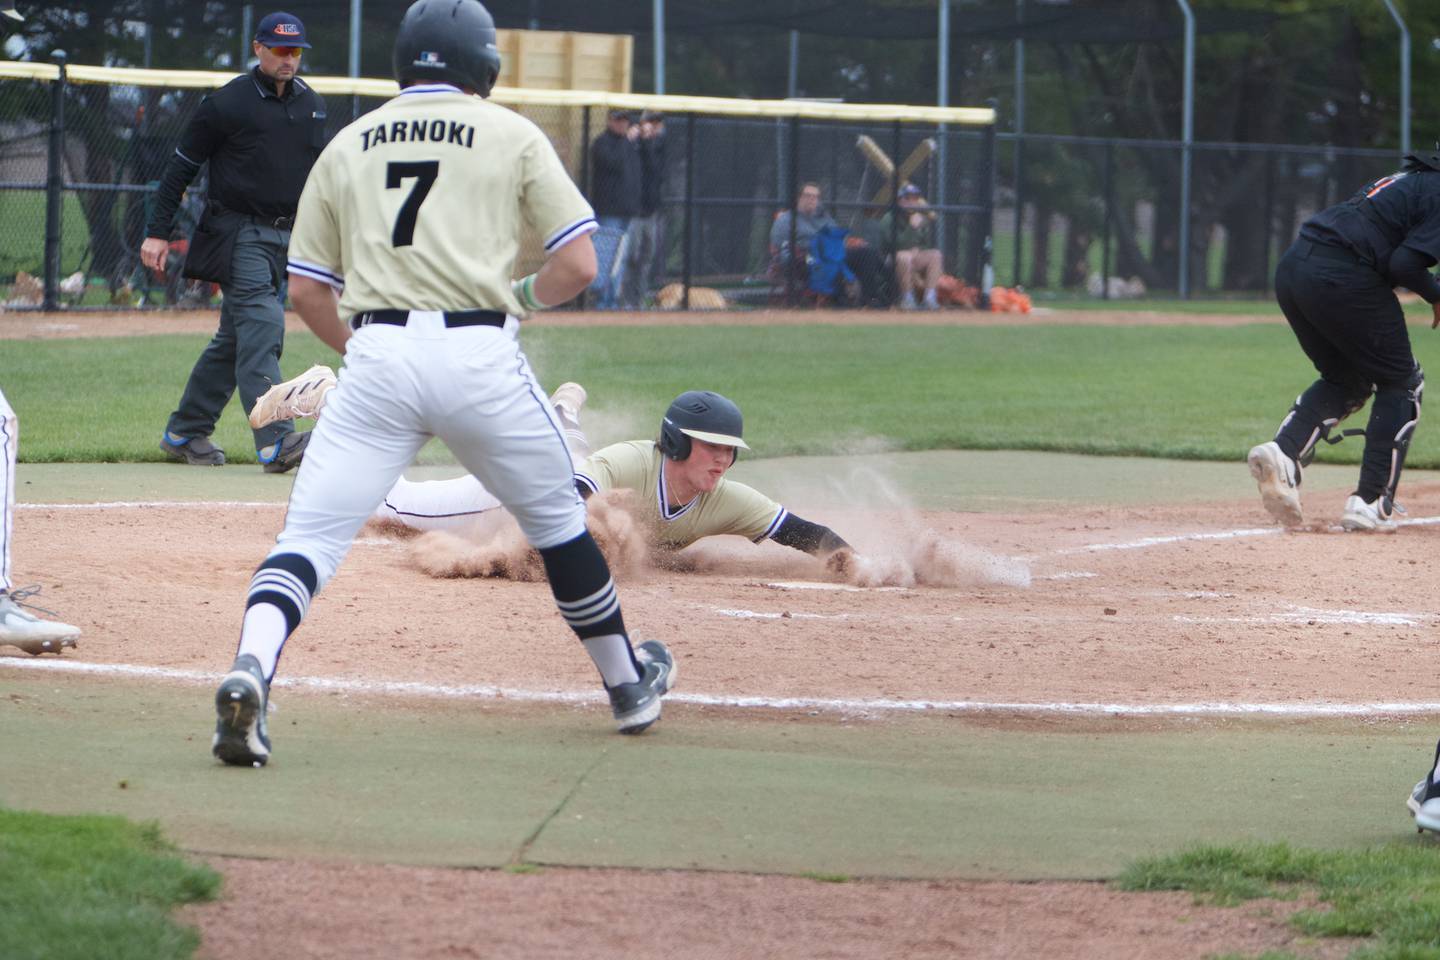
(245, 352)
(1351, 326)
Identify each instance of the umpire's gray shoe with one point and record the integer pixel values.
(286, 454)
(1279, 480)
(240, 737)
(637, 705)
(196, 451)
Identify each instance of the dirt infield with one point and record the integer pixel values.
(78, 325)
(1117, 608)
(1134, 607)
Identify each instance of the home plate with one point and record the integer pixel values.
(819, 585)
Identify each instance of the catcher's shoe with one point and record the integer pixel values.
(302, 396)
(637, 705)
(240, 737)
(1424, 800)
(1362, 517)
(1279, 480)
(196, 451)
(286, 454)
(21, 628)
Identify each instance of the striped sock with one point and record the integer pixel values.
(585, 594)
(280, 594)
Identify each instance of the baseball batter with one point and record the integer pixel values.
(412, 215)
(684, 494)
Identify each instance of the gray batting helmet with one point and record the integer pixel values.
(448, 41)
(703, 415)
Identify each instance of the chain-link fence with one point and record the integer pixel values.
(81, 156)
(1101, 217)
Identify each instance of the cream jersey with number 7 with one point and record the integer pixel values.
(388, 213)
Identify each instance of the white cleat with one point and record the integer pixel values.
(1426, 812)
(302, 396)
(1279, 480)
(21, 628)
(568, 398)
(1362, 517)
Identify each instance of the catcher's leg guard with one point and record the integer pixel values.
(1387, 438)
(1316, 412)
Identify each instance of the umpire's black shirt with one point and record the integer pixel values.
(260, 147)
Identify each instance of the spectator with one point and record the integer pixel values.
(615, 179)
(808, 219)
(643, 238)
(918, 263)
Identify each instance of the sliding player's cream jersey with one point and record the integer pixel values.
(639, 465)
(419, 204)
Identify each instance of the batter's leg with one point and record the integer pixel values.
(437, 504)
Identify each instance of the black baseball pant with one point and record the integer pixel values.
(1349, 323)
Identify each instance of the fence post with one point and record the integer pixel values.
(1019, 207)
(1267, 229)
(794, 167)
(582, 302)
(686, 253)
(986, 269)
(54, 185)
(1108, 178)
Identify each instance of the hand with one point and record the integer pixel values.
(1435, 313)
(841, 563)
(917, 220)
(153, 253)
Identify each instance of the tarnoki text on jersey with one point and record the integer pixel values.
(419, 131)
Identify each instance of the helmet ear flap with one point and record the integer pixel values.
(674, 443)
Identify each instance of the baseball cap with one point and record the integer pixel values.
(617, 113)
(909, 190)
(281, 30)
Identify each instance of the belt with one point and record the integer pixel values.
(279, 223)
(453, 318)
(1309, 248)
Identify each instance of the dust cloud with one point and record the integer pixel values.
(894, 546)
(505, 554)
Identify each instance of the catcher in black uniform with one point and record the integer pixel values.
(1336, 287)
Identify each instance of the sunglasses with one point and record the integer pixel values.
(287, 51)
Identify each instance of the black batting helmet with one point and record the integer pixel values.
(448, 41)
(705, 416)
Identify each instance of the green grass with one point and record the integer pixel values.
(87, 887)
(1181, 392)
(1390, 895)
(22, 239)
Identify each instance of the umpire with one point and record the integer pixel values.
(261, 133)
(1335, 286)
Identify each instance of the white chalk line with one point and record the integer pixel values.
(844, 706)
(1212, 535)
(1309, 615)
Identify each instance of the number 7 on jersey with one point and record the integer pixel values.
(423, 172)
